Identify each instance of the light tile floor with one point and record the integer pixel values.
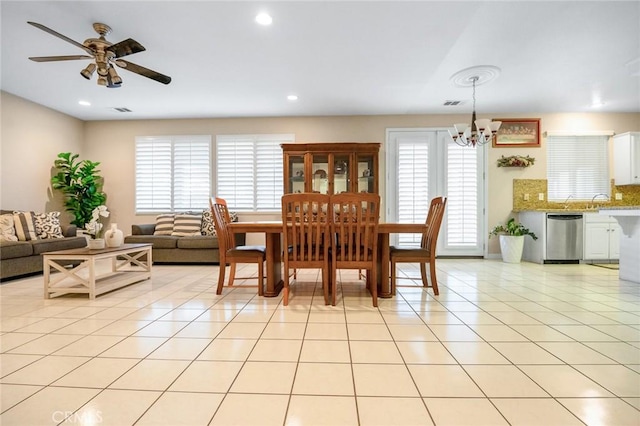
(501, 344)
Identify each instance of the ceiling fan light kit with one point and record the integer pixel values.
(106, 57)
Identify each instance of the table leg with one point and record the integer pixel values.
(384, 289)
(274, 265)
(92, 277)
(47, 277)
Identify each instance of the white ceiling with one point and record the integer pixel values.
(340, 58)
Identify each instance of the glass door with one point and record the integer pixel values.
(319, 173)
(366, 171)
(341, 173)
(296, 174)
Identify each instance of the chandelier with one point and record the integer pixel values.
(479, 132)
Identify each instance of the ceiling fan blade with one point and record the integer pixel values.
(63, 37)
(59, 58)
(126, 47)
(146, 72)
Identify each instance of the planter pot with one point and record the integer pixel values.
(96, 244)
(511, 247)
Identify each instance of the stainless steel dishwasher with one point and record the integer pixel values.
(564, 238)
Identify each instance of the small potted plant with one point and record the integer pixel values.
(94, 227)
(512, 239)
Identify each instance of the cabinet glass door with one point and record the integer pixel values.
(296, 173)
(320, 173)
(365, 173)
(341, 173)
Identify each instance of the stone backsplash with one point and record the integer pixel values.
(533, 187)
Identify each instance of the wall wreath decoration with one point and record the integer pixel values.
(515, 161)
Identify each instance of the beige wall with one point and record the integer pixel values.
(113, 144)
(31, 138)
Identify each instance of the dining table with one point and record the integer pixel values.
(273, 244)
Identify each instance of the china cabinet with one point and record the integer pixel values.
(330, 168)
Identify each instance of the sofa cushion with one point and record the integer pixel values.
(14, 249)
(48, 225)
(7, 229)
(198, 242)
(187, 225)
(55, 244)
(164, 224)
(207, 227)
(25, 226)
(158, 241)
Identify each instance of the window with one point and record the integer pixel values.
(249, 171)
(173, 173)
(577, 166)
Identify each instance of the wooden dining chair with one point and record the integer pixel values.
(305, 236)
(354, 228)
(424, 254)
(230, 253)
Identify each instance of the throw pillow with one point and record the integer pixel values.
(207, 227)
(7, 230)
(187, 225)
(233, 216)
(48, 225)
(164, 224)
(25, 226)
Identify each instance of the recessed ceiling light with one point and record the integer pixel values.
(264, 19)
(84, 103)
(292, 97)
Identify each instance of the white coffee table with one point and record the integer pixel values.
(130, 263)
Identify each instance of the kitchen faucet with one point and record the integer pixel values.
(593, 205)
(566, 204)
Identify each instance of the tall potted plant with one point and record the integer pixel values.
(512, 239)
(81, 185)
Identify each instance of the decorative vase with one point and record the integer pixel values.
(511, 247)
(114, 237)
(96, 244)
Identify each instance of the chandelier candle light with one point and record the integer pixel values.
(481, 131)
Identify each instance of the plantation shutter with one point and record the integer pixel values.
(192, 172)
(172, 173)
(249, 171)
(462, 191)
(577, 167)
(413, 185)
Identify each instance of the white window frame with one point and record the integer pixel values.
(249, 171)
(439, 144)
(173, 173)
(577, 165)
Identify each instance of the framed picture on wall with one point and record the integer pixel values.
(516, 132)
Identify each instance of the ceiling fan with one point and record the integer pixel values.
(105, 55)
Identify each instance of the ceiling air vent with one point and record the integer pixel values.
(452, 103)
(121, 109)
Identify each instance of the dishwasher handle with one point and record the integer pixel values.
(564, 216)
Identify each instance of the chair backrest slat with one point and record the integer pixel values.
(305, 220)
(355, 218)
(434, 220)
(221, 221)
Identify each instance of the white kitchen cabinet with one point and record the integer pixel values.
(601, 237)
(626, 158)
